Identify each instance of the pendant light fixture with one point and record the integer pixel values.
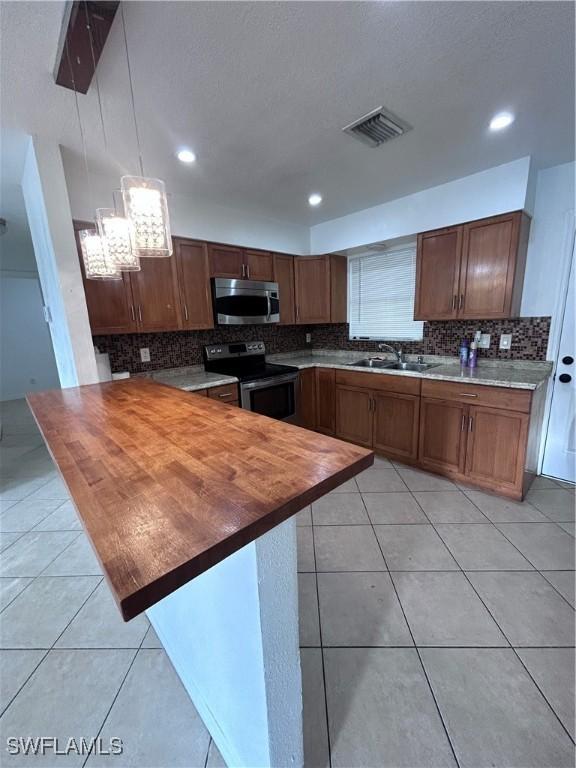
(145, 202)
(97, 262)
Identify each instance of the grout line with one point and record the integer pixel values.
(414, 641)
(208, 752)
(328, 739)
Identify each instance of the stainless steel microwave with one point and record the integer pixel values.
(245, 302)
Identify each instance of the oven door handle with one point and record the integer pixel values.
(264, 384)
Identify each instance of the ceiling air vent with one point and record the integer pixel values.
(377, 127)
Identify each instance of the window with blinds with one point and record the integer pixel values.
(381, 290)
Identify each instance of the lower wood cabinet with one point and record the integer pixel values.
(227, 393)
(354, 415)
(384, 416)
(396, 419)
(306, 406)
(325, 400)
(496, 447)
(443, 435)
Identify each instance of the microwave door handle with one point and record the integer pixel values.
(269, 307)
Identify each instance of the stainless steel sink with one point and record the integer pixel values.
(373, 362)
(412, 366)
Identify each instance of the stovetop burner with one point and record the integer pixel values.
(244, 360)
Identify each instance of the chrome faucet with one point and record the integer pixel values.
(398, 352)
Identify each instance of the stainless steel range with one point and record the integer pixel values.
(265, 388)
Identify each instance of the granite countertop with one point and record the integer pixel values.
(522, 374)
(191, 378)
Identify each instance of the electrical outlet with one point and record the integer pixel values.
(484, 342)
(145, 354)
(308, 338)
(505, 341)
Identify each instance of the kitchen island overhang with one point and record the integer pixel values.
(167, 484)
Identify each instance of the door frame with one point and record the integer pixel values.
(568, 262)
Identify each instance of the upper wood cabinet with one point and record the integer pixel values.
(283, 274)
(473, 271)
(156, 295)
(259, 265)
(438, 274)
(226, 261)
(194, 283)
(320, 289)
(240, 263)
(109, 302)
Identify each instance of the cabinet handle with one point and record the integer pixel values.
(228, 394)
(248, 271)
(186, 312)
(461, 302)
(297, 313)
(470, 423)
(132, 313)
(463, 423)
(139, 313)
(454, 300)
(467, 394)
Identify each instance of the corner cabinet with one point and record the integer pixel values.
(320, 289)
(473, 271)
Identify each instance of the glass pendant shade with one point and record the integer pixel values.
(146, 209)
(115, 233)
(96, 264)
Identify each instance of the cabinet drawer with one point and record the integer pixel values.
(226, 394)
(404, 385)
(474, 394)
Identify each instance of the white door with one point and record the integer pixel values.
(560, 449)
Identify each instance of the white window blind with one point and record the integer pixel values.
(381, 296)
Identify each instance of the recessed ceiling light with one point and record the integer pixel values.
(501, 120)
(186, 156)
(315, 199)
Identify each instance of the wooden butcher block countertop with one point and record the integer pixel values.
(169, 483)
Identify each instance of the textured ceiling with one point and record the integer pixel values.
(261, 90)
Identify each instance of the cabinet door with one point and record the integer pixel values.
(490, 264)
(312, 289)
(226, 261)
(338, 289)
(496, 448)
(110, 304)
(284, 276)
(307, 398)
(156, 296)
(437, 274)
(354, 415)
(194, 283)
(259, 265)
(396, 420)
(443, 426)
(325, 400)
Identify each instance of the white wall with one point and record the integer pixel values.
(50, 221)
(27, 361)
(194, 217)
(496, 190)
(232, 636)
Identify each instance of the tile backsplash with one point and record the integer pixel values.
(529, 338)
(181, 348)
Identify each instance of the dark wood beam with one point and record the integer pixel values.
(84, 32)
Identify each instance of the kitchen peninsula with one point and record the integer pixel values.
(189, 506)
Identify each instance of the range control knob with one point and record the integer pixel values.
(568, 360)
(565, 378)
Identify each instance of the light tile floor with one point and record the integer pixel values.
(436, 626)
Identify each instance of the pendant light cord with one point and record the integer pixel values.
(132, 91)
(82, 137)
(89, 28)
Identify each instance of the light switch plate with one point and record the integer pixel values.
(484, 342)
(145, 354)
(505, 341)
